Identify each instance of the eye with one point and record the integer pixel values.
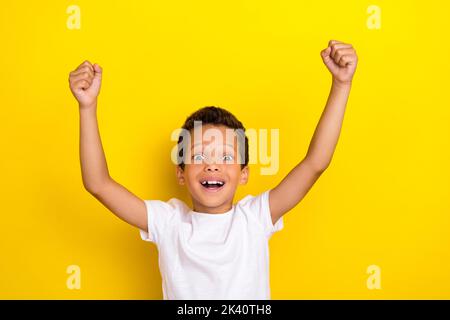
(198, 157)
(228, 157)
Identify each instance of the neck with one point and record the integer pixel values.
(198, 207)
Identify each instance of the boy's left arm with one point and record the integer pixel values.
(341, 60)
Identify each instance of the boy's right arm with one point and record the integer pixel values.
(85, 82)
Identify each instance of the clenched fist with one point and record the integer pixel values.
(85, 82)
(341, 60)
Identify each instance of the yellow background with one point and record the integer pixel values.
(384, 200)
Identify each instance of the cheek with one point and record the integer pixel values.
(192, 175)
(234, 176)
(191, 184)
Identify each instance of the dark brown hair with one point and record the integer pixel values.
(216, 116)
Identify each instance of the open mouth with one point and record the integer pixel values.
(212, 185)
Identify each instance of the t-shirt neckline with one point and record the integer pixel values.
(205, 214)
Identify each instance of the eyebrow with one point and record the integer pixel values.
(199, 143)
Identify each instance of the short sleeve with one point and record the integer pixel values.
(259, 207)
(161, 216)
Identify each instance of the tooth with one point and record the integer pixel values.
(212, 182)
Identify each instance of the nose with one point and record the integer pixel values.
(212, 167)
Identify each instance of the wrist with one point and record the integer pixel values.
(87, 106)
(341, 84)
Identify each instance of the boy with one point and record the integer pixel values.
(217, 249)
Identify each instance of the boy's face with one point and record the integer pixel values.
(212, 170)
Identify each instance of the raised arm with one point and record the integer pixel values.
(85, 82)
(341, 60)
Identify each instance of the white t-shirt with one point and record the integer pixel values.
(213, 256)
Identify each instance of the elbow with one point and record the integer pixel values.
(319, 166)
(320, 169)
(93, 188)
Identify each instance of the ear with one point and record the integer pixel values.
(244, 175)
(180, 175)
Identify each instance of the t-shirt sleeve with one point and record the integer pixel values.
(160, 217)
(259, 207)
